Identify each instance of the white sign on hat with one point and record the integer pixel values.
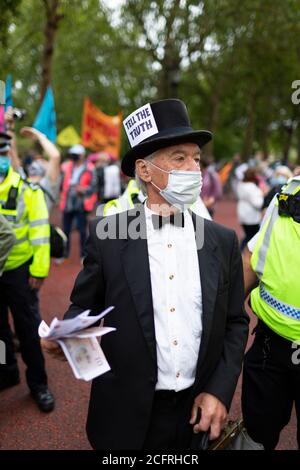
(140, 124)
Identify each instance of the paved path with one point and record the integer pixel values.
(23, 426)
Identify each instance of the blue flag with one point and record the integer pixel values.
(8, 94)
(45, 120)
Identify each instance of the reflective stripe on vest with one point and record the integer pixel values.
(281, 307)
(262, 254)
(21, 240)
(275, 259)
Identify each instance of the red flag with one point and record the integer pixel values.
(101, 132)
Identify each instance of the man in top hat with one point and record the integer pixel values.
(176, 282)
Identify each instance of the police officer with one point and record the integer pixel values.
(271, 380)
(131, 196)
(27, 265)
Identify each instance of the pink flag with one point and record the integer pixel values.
(2, 122)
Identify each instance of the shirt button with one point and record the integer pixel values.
(178, 375)
(172, 309)
(175, 342)
(171, 277)
(169, 245)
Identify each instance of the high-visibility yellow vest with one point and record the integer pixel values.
(276, 261)
(124, 202)
(29, 220)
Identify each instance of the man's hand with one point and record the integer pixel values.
(250, 278)
(213, 415)
(79, 189)
(9, 117)
(53, 348)
(35, 282)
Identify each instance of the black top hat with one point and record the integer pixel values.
(4, 142)
(158, 125)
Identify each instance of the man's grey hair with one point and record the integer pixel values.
(140, 183)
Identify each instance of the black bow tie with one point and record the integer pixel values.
(176, 219)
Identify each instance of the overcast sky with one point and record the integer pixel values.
(113, 3)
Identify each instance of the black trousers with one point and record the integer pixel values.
(271, 385)
(81, 221)
(16, 294)
(169, 427)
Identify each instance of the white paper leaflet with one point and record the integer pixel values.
(80, 343)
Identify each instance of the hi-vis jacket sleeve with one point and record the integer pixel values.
(7, 240)
(39, 234)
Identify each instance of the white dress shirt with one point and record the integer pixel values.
(177, 301)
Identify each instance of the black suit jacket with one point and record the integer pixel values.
(116, 272)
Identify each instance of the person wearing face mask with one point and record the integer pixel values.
(280, 177)
(78, 195)
(249, 206)
(176, 282)
(24, 271)
(134, 194)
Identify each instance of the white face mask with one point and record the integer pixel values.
(183, 187)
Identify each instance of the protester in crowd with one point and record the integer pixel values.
(240, 169)
(233, 177)
(25, 269)
(46, 173)
(296, 171)
(78, 195)
(176, 282)
(211, 188)
(108, 178)
(279, 178)
(250, 202)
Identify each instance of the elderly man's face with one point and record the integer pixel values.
(184, 157)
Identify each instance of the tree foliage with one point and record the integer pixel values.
(232, 62)
(9, 8)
